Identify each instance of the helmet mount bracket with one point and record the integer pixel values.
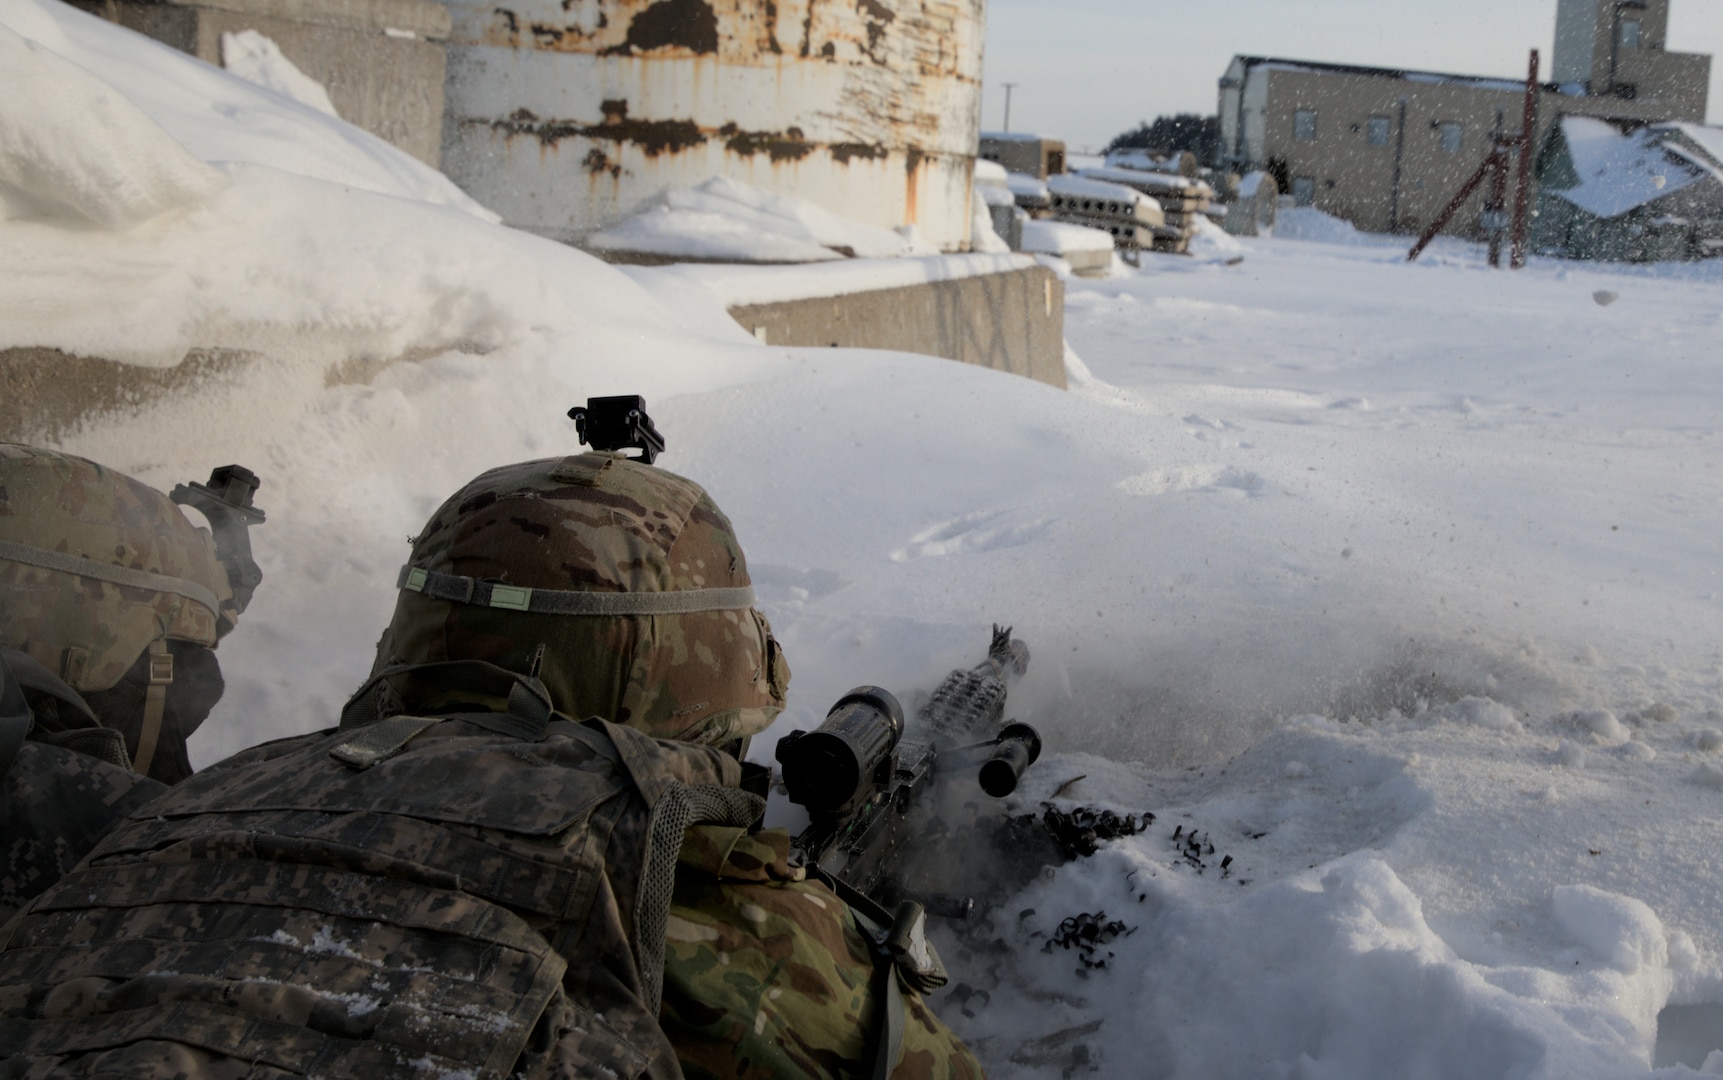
(618, 423)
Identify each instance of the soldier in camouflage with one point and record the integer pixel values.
(111, 603)
(460, 879)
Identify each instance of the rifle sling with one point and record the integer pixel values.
(876, 922)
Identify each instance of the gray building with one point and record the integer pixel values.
(1387, 148)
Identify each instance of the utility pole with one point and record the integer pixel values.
(1008, 88)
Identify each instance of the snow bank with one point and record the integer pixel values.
(1310, 224)
(70, 145)
(219, 117)
(726, 220)
(1211, 243)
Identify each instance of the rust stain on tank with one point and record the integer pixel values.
(844, 153)
(878, 17)
(787, 145)
(596, 163)
(689, 25)
(913, 162)
(653, 137)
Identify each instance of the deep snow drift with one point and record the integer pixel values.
(1396, 584)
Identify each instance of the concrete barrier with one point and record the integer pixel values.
(1013, 321)
(382, 61)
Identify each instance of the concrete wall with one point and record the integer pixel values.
(382, 61)
(1012, 322)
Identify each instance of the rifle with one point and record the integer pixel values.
(868, 789)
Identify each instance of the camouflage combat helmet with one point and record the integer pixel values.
(621, 586)
(97, 570)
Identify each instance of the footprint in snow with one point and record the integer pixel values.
(1223, 479)
(986, 530)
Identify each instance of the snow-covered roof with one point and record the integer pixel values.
(1019, 136)
(1428, 78)
(1620, 171)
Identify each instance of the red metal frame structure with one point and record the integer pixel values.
(1496, 166)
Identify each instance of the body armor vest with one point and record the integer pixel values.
(478, 895)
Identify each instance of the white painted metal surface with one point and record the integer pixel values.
(567, 117)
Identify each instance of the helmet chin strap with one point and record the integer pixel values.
(155, 703)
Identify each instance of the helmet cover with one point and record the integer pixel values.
(599, 531)
(94, 566)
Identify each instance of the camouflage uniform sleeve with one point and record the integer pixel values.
(56, 805)
(767, 976)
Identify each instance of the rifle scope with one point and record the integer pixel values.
(834, 768)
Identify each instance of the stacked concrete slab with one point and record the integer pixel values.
(1130, 217)
(1182, 200)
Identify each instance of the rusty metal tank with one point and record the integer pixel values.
(567, 115)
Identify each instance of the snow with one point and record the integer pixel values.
(728, 221)
(256, 58)
(1017, 136)
(1211, 243)
(1618, 172)
(1026, 186)
(214, 115)
(1060, 238)
(70, 146)
(1168, 183)
(992, 185)
(1077, 187)
(718, 288)
(1396, 582)
(1309, 223)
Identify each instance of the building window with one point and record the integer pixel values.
(1376, 131)
(1630, 33)
(1451, 138)
(1304, 125)
(1303, 190)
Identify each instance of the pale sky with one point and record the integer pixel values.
(1088, 69)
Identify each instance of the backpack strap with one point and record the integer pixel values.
(155, 704)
